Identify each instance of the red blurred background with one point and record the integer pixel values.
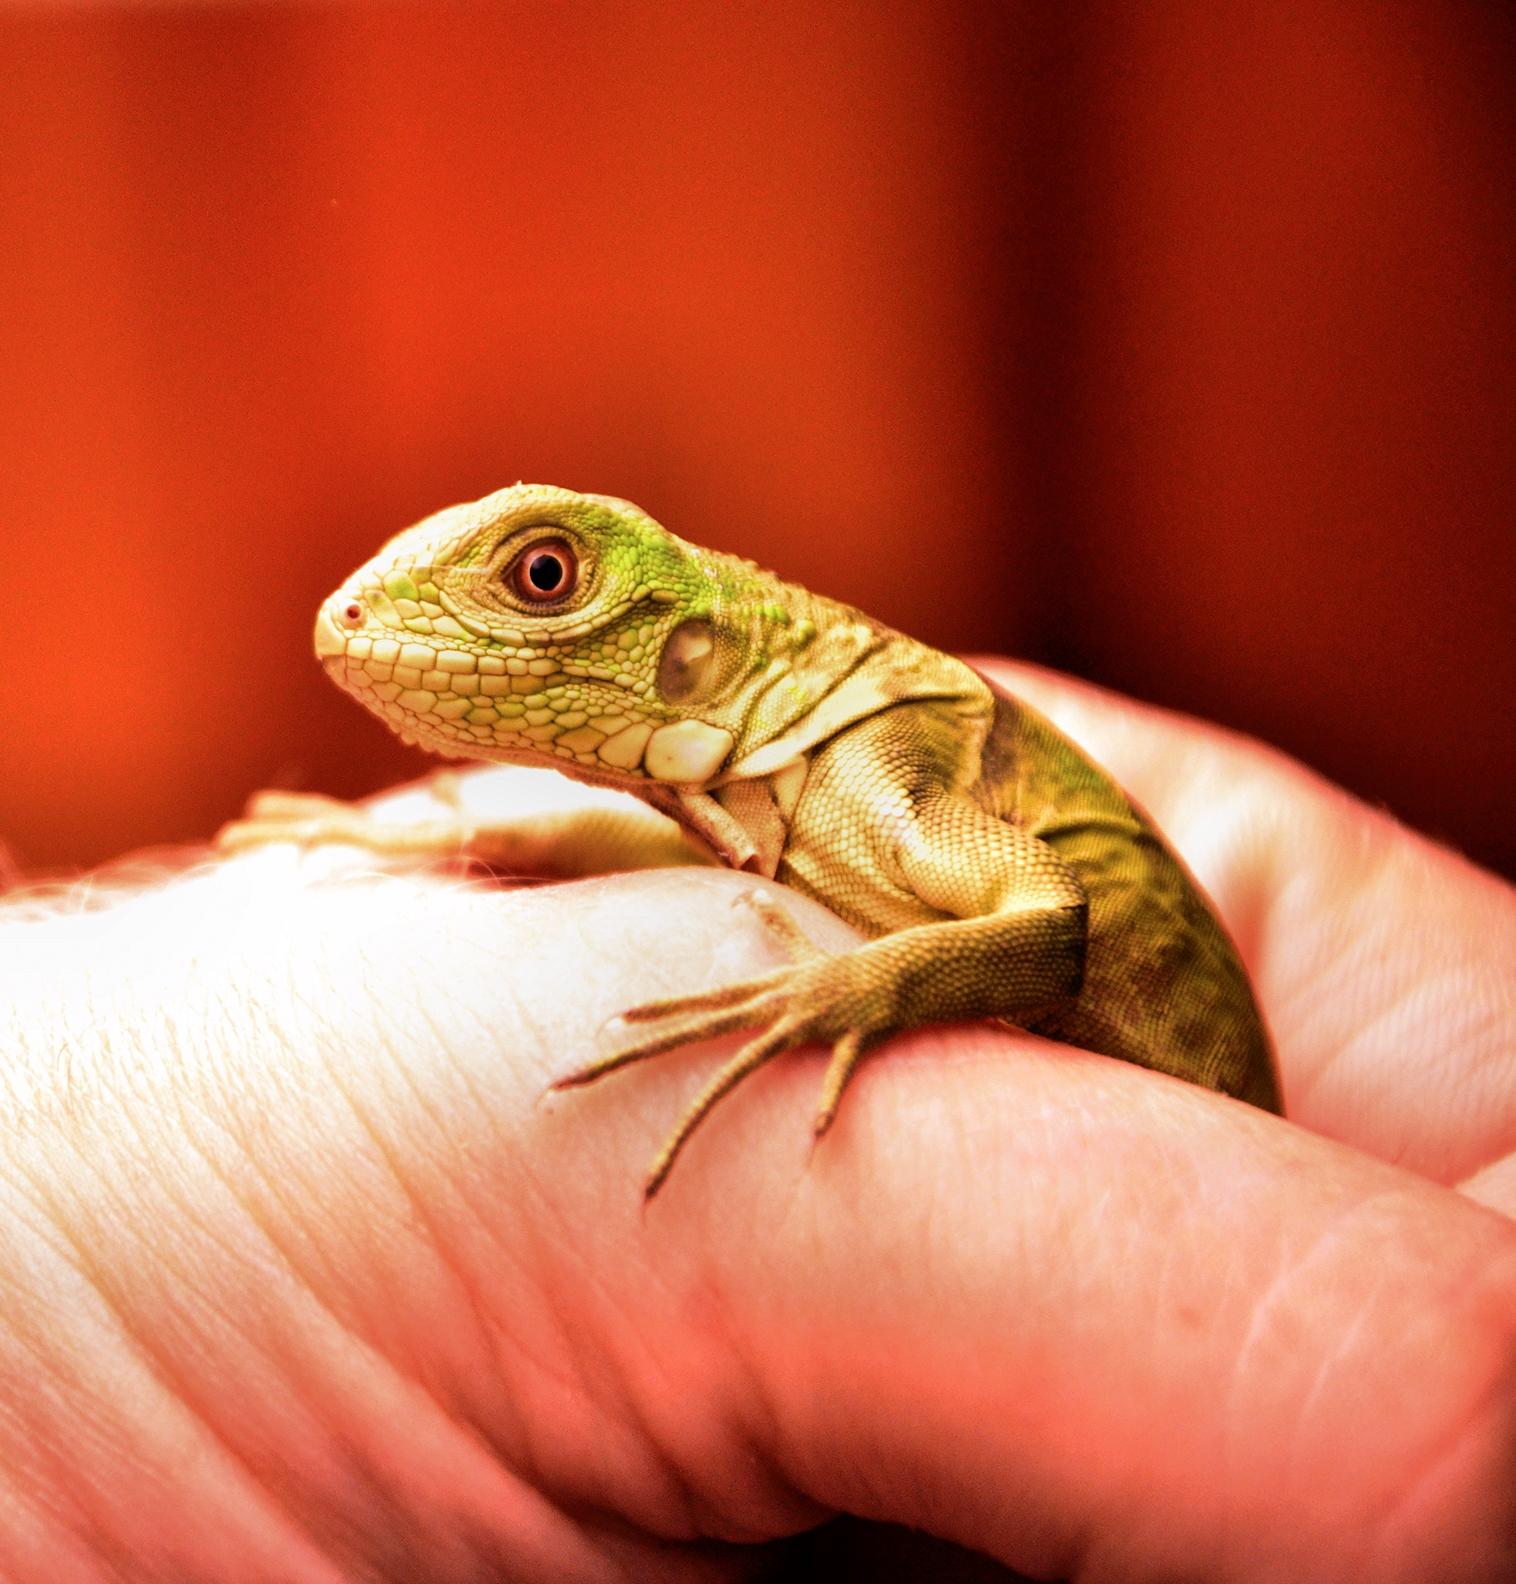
(1171, 343)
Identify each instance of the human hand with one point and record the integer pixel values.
(304, 1282)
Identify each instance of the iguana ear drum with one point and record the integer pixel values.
(686, 668)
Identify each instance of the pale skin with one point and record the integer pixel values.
(330, 1291)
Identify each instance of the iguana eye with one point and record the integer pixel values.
(544, 572)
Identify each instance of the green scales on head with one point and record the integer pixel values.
(538, 624)
(999, 872)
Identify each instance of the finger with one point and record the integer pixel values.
(1090, 1319)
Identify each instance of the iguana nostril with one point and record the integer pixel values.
(329, 638)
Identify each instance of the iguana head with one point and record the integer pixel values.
(542, 625)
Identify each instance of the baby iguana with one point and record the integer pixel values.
(998, 871)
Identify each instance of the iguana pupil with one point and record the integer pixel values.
(546, 572)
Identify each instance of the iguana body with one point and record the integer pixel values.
(999, 872)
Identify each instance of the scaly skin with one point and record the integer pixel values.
(999, 871)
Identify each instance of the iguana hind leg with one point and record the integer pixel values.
(601, 836)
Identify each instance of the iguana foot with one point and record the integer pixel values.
(311, 819)
(819, 998)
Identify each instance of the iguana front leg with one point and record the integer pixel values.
(1010, 942)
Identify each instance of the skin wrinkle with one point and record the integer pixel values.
(181, 1396)
(760, 1424)
(393, 1484)
(1376, 1031)
(45, 1493)
(102, 1433)
(188, 1205)
(692, 1503)
(1372, 964)
(588, 1361)
(248, 1484)
(32, 1540)
(1490, 1418)
(926, 1207)
(691, 1493)
(589, 1364)
(564, 1379)
(1446, 1161)
(522, 1453)
(358, 1467)
(434, 1241)
(1483, 1085)
(290, 1203)
(704, 1495)
(1341, 1231)
(630, 1389)
(1283, 1287)
(1291, 899)
(488, 1324)
(207, 1226)
(586, 1377)
(1493, 1185)
(544, 1453)
(1327, 1366)
(155, 1359)
(222, 1121)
